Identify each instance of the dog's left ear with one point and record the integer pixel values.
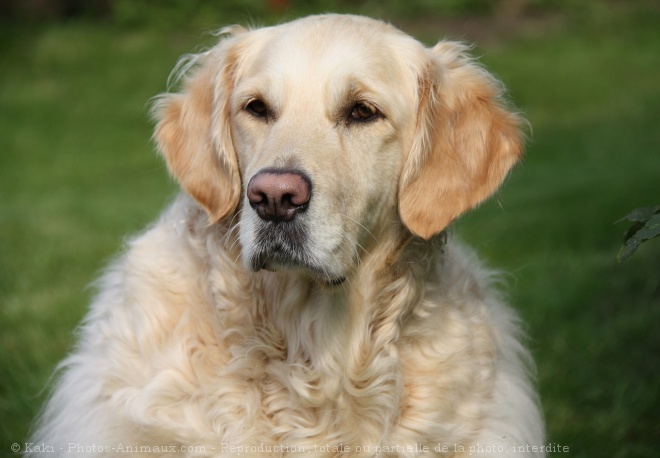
(465, 143)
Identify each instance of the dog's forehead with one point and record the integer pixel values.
(325, 44)
(328, 51)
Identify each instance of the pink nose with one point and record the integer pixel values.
(278, 195)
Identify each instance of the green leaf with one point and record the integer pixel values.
(641, 231)
(641, 215)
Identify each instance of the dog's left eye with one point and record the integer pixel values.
(363, 112)
(257, 108)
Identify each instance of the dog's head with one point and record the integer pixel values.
(314, 136)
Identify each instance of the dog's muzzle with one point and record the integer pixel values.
(280, 197)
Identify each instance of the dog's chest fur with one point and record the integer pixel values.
(268, 359)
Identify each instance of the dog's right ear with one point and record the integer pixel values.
(193, 133)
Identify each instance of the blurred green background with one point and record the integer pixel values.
(78, 173)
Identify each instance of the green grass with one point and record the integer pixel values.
(78, 174)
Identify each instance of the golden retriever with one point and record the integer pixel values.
(302, 297)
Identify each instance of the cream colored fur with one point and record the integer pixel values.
(188, 351)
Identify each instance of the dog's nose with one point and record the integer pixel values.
(279, 195)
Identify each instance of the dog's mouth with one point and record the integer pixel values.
(279, 259)
(282, 248)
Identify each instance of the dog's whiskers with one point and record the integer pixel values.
(362, 226)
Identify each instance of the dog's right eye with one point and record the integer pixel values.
(257, 108)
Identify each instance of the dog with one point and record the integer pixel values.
(303, 295)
